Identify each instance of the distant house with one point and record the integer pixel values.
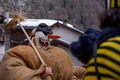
(67, 32)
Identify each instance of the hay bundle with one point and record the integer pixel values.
(20, 63)
(14, 21)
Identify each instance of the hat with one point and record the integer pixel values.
(110, 4)
(83, 49)
(44, 28)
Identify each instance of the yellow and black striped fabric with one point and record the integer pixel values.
(108, 60)
(114, 3)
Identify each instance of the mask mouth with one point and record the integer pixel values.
(44, 43)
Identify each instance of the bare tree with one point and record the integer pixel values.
(80, 13)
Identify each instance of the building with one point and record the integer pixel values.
(67, 32)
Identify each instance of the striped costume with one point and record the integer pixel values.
(108, 60)
(114, 3)
(110, 4)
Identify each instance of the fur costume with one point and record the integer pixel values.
(21, 63)
(83, 48)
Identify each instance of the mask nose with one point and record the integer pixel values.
(53, 36)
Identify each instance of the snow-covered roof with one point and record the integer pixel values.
(36, 22)
(49, 22)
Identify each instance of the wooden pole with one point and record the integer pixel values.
(36, 51)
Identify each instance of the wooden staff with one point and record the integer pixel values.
(36, 51)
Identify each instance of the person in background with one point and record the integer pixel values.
(2, 31)
(105, 65)
(2, 36)
(2, 19)
(105, 62)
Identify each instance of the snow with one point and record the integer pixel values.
(49, 22)
(36, 22)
